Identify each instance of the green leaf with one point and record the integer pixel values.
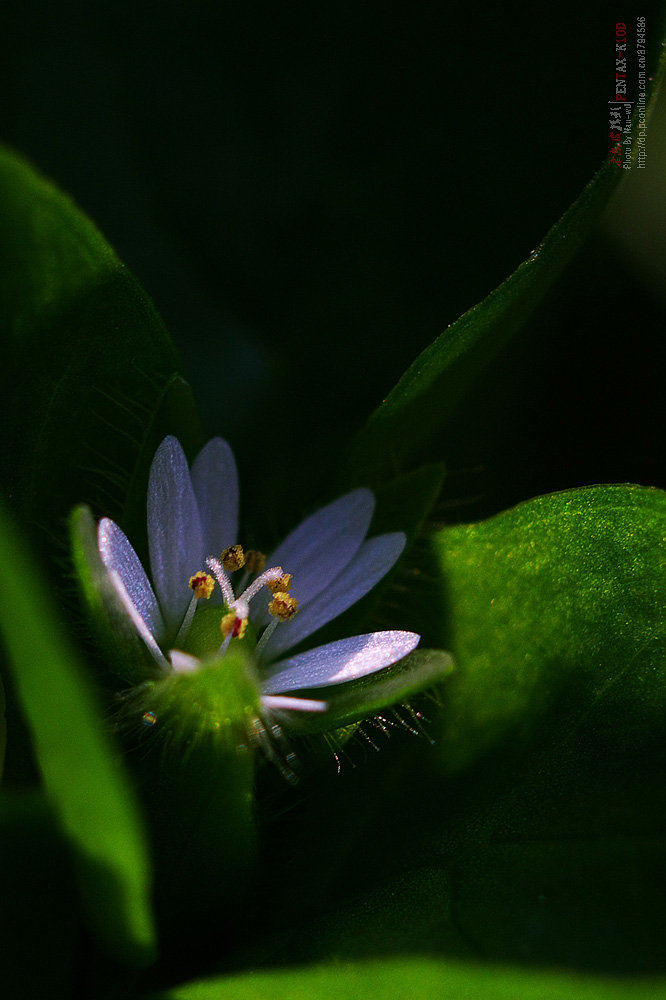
(89, 791)
(555, 613)
(561, 599)
(90, 377)
(414, 979)
(428, 394)
(3, 728)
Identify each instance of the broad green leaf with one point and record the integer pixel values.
(562, 598)
(554, 612)
(414, 978)
(89, 791)
(90, 378)
(428, 394)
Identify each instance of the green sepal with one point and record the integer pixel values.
(218, 700)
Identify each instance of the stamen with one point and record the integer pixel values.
(202, 584)
(255, 561)
(233, 558)
(233, 626)
(265, 636)
(187, 620)
(283, 606)
(269, 575)
(225, 583)
(284, 583)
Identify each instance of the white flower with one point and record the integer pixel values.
(192, 518)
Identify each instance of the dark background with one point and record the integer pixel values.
(311, 194)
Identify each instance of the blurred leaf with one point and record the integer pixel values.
(3, 728)
(413, 979)
(89, 791)
(427, 395)
(38, 916)
(90, 377)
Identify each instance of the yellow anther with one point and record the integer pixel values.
(202, 584)
(255, 561)
(283, 606)
(280, 586)
(233, 558)
(232, 625)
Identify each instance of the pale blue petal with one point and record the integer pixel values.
(373, 561)
(174, 531)
(284, 703)
(137, 620)
(338, 662)
(119, 556)
(215, 483)
(183, 663)
(320, 547)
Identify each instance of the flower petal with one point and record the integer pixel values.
(284, 703)
(137, 620)
(183, 663)
(174, 531)
(337, 662)
(119, 556)
(215, 483)
(320, 547)
(373, 560)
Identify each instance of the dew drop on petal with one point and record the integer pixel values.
(149, 718)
